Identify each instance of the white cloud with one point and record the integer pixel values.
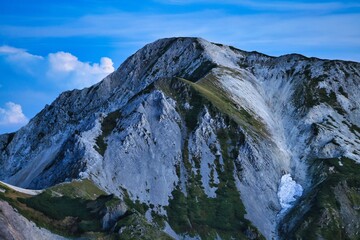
(5, 49)
(25, 61)
(66, 67)
(61, 68)
(12, 115)
(273, 5)
(15, 54)
(270, 33)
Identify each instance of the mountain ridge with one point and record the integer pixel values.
(196, 114)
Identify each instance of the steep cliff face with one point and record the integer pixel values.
(205, 140)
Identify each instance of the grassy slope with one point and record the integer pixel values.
(72, 210)
(135, 226)
(197, 214)
(60, 210)
(209, 89)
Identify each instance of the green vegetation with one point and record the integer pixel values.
(184, 93)
(209, 89)
(206, 92)
(62, 211)
(308, 94)
(134, 226)
(337, 189)
(158, 220)
(196, 213)
(13, 198)
(76, 209)
(84, 189)
(107, 126)
(84, 213)
(136, 205)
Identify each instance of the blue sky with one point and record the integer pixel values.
(47, 47)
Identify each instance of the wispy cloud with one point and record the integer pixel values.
(5, 49)
(273, 5)
(25, 61)
(296, 6)
(254, 32)
(61, 68)
(12, 114)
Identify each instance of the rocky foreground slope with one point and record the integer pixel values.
(204, 141)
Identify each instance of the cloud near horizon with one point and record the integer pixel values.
(63, 69)
(323, 34)
(273, 5)
(63, 65)
(12, 114)
(55, 73)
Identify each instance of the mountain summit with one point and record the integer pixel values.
(203, 141)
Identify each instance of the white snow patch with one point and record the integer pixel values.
(289, 190)
(22, 190)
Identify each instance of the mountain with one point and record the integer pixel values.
(200, 140)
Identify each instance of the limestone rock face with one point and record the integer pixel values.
(203, 135)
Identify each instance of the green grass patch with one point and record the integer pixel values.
(158, 220)
(59, 207)
(307, 93)
(208, 88)
(107, 126)
(136, 205)
(69, 209)
(133, 225)
(197, 214)
(184, 93)
(84, 189)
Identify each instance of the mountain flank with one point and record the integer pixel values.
(189, 139)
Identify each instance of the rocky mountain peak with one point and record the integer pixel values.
(191, 132)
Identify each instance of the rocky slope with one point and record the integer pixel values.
(15, 226)
(208, 141)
